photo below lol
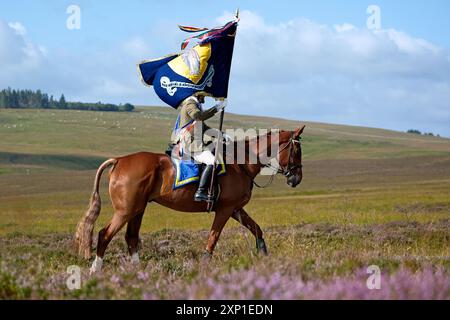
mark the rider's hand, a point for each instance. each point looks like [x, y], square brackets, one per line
[219, 107]
[227, 138]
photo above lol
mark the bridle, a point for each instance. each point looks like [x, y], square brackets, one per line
[286, 171]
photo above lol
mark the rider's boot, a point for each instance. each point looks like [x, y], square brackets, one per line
[205, 179]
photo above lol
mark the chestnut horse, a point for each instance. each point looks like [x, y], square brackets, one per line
[138, 179]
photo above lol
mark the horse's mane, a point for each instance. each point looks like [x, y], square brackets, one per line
[248, 141]
[255, 139]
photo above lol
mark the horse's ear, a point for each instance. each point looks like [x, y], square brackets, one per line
[299, 131]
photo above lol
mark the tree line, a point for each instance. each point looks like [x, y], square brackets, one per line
[414, 131]
[29, 99]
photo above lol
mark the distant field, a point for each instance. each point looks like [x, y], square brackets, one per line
[55, 132]
[48, 159]
[393, 187]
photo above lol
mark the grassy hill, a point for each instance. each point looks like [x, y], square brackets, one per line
[58, 132]
[48, 159]
[368, 196]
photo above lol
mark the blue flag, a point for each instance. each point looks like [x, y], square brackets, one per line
[205, 68]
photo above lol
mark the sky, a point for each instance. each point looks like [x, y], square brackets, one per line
[305, 60]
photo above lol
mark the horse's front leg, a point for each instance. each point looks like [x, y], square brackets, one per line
[243, 218]
[220, 219]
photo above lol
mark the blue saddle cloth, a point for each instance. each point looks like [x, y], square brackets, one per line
[187, 172]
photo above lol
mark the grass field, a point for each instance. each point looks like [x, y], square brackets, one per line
[369, 196]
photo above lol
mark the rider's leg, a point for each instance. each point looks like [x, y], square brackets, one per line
[206, 157]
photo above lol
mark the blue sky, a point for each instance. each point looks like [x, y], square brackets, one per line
[317, 61]
[111, 20]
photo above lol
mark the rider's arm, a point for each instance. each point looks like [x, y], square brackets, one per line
[195, 113]
[206, 128]
[210, 134]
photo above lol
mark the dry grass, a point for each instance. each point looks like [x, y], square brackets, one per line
[369, 196]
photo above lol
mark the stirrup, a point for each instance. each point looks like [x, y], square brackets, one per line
[203, 196]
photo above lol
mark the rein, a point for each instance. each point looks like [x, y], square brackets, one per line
[285, 171]
[266, 185]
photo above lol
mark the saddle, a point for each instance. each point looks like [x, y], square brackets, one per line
[187, 171]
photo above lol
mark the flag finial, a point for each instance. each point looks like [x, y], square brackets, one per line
[237, 13]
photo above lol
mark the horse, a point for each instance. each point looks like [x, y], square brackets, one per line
[141, 178]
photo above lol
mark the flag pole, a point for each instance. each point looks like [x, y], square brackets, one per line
[216, 152]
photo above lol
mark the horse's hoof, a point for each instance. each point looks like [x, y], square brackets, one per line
[206, 256]
[134, 259]
[94, 271]
[261, 247]
[96, 266]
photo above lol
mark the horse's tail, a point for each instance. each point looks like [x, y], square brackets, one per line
[83, 235]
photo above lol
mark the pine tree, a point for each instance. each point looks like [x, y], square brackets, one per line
[52, 103]
[14, 99]
[62, 102]
[37, 100]
[3, 99]
[45, 103]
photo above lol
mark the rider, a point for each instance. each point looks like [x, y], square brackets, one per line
[190, 121]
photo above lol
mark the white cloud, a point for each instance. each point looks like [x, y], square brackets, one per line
[109, 75]
[11, 46]
[18, 27]
[342, 73]
[20, 59]
[410, 45]
[295, 69]
[344, 27]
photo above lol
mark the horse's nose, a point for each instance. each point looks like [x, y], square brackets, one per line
[294, 181]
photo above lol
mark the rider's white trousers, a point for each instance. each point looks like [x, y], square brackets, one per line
[205, 157]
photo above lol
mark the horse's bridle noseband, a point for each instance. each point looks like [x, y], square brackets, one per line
[287, 171]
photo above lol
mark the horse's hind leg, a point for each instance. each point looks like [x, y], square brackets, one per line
[132, 237]
[243, 218]
[104, 238]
